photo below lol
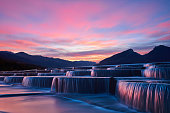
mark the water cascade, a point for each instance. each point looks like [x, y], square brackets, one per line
[150, 96]
[116, 73]
[85, 85]
[51, 74]
[40, 82]
[161, 71]
[13, 79]
[2, 78]
[78, 73]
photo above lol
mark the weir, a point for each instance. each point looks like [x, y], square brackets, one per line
[150, 92]
[13, 79]
[150, 96]
[39, 82]
[116, 73]
[161, 71]
[78, 73]
[2, 78]
[87, 85]
[51, 74]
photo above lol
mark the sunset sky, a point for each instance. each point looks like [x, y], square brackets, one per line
[83, 29]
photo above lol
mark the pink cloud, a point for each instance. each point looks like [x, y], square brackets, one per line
[63, 16]
[166, 38]
[97, 44]
[165, 24]
[18, 44]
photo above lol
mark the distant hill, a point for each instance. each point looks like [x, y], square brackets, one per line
[39, 61]
[9, 65]
[158, 54]
[125, 57]
[21, 60]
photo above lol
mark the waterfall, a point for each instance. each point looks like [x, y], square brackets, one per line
[40, 82]
[81, 84]
[150, 96]
[13, 79]
[2, 78]
[161, 71]
[116, 73]
[78, 73]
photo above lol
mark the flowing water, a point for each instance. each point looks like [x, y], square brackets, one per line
[150, 92]
[78, 73]
[157, 72]
[116, 73]
[18, 99]
[151, 96]
[82, 84]
[44, 81]
[13, 79]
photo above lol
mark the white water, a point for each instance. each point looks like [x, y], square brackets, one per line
[13, 79]
[161, 71]
[81, 84]
[40, 82]
[78, 73]
[145, 96]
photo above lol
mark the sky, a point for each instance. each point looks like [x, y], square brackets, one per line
[89, 30]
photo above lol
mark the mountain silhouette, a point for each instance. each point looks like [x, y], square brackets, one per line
[126, 57]
[160, 53]
[21, 60]
[39, 61]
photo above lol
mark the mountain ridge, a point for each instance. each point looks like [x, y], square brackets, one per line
[40, 61]
[159, 53]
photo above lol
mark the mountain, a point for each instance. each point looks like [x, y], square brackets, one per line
[125, 57]
[9, 65]
[158, 54]
[21, 60]
[40, 61]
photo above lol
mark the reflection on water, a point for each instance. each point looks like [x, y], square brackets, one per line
[17, 103]
[46, 104]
